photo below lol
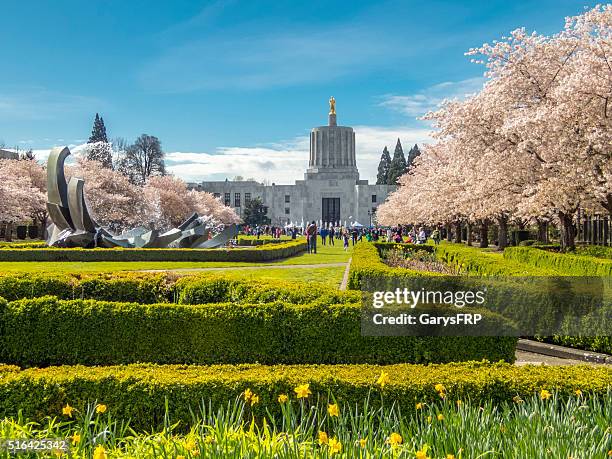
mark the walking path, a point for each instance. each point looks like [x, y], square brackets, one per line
[345, 278]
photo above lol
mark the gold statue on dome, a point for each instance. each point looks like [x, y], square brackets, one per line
[332, 106]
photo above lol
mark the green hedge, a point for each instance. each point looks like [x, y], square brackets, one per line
[367, 263]
[47, 331]
[565, 263]
[22, 244]
[148, 288]
[474, 261]
[140, 392]
[256, 254]
[598, 251]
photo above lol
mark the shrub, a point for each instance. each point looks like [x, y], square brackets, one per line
[473, 261]
[598, 251]
[528, 242]
[141, 392]
[567, 264]
[23, 245]
[366, 263]
[256, 254]
[96, 332]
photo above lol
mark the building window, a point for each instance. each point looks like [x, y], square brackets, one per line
[287, 199]
[236, 199]
[247, 198]
[373, 198]
[217, 195]
[227, 199]
[287, 211]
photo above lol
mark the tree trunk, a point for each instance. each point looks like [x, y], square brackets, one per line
[484, 234]
[567, 231]
[470, 236]
[502, 232]
[458, 232]
[449, 236]
[8, 235]
[543, 232]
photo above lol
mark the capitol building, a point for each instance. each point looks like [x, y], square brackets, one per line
[330, 192]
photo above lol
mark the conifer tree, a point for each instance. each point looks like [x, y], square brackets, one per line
[98, 147]
[412, 154]
[383, 168]
[398, 164]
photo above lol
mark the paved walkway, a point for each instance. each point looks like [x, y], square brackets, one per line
[530, 358]
[234, 268]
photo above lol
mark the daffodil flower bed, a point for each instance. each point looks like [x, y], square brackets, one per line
[309, 425]
[143, 393]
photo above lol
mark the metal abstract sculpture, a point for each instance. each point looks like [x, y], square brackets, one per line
[73, 226]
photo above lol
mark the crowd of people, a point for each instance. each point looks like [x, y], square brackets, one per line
[330, 235]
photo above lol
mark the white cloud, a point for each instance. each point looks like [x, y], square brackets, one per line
[285, 162]
[416, 105]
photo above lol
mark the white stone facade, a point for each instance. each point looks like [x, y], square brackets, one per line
[330, 192]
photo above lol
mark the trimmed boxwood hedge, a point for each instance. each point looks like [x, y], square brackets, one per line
[257, 254]
[146, 288]
[474, 261]
[140, 392]
[566, 263]
[47, 331]
[366, 263]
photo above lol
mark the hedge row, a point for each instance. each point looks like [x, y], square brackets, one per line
[47, 331]
[474, 261]
[140, 392]
[367, 263]
[568, 264]
[22, 244]
[147, 288]
[256, 254]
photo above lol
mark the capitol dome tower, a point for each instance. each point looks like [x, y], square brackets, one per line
[332, 148]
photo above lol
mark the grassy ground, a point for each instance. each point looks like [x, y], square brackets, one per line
[325, 255]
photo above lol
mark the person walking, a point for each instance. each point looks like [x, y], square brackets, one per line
[422, 238]
[332, 233]
[345, 237]
[311, 234]
[435, 235]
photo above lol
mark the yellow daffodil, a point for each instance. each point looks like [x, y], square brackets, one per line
[190, 445]
[517, 399]
[333, 410]
[578, 392]
[383, 379]
[429, 419]
[76, 438]
[99, 452]
[419, 406]
[302, 391]
[282, 398]
[254, 399]
[459, 403]
[209, 439]
[422, 453]
[610, 453]
[442, 394]
[440, 388]
[67, 410]
[101, 408]
[440, 417]
[450, 456]
[362, 442]
[247, 394]
[323, 439]
[180, 456]
[395, 439]
[334, 446]
[545, 395]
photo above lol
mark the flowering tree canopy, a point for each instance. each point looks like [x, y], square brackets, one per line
[534, 143]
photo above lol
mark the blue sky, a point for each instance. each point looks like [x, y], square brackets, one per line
[233, 87]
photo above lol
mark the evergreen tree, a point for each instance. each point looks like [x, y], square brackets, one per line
[412, 155]
[383, 168]
[98, 148]
[255, 213]
[98, 132]
[398, 164]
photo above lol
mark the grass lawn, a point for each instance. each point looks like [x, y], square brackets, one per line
[325, 255]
